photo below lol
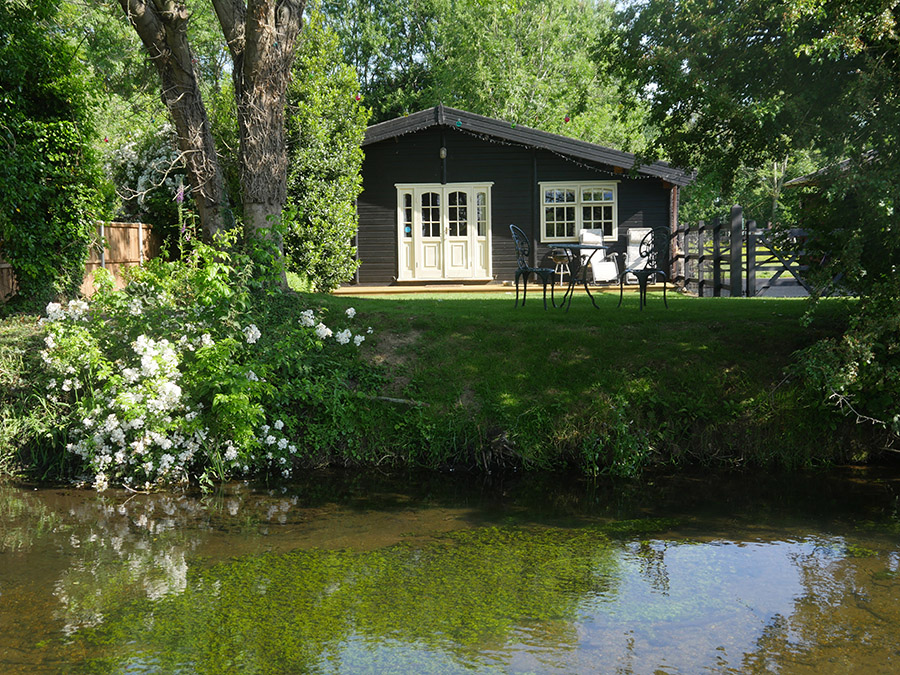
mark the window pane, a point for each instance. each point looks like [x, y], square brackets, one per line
[481, 213]
[407, 215]
[559, 195]
[431, 214]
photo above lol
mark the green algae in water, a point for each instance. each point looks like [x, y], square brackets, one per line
[463, 595]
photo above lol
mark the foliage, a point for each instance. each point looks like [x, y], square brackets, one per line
[859, 372]
[172, 379]
[830, 92]
[326, 124]
[544, 65]
[697, 66]
[50, 179]
[149, 176]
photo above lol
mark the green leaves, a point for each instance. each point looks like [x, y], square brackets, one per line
[49, 178]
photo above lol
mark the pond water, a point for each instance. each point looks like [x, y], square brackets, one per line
[448, 574]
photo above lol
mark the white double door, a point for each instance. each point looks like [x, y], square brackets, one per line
[444, 231]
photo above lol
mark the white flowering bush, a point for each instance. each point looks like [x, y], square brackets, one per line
[187, 375]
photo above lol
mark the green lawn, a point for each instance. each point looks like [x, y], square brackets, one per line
[701, 380]
[472, 381]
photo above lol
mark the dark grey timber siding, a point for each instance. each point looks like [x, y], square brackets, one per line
[514, 171]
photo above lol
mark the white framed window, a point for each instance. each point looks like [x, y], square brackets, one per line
[567, 208]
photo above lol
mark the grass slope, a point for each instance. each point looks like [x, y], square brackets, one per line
[472, 381]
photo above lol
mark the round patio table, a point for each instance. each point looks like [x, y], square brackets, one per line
[574, 253]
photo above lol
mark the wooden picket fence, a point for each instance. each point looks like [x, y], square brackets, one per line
[117, 247]
[733, 257]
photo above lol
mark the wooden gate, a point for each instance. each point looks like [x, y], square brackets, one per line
[773, 267]
[734, 258]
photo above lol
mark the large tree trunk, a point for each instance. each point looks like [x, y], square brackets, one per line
[262, 39]
[162, 27]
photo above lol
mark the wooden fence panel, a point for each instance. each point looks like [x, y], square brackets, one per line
[7, 281]
[126, 245]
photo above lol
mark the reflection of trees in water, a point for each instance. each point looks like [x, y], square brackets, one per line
[838, 624]
[464, 595]
[107, 549]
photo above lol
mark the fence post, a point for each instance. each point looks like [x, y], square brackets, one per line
[737, 241]
[701, 229]
[717, 257]
[752, 243]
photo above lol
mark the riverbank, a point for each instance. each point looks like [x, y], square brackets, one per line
[474, 383]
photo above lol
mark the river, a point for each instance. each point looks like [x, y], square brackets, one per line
[361, 573]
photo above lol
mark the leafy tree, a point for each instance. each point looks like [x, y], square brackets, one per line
[261, 39]
[389, 43]
[49, 178]
[541, 64]
[734, 85]
[326, 124]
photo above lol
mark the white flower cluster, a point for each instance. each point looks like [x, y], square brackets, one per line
[76, 310]
[308, 320]
[251, 333]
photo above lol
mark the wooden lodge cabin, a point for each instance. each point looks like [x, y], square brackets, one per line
[441, 187]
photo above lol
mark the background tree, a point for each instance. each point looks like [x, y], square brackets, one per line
[326, 125]
[542, 64]
[49, 178]
[734, 86]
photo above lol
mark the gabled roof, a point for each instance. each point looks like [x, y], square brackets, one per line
[815, 177]
[460, 120]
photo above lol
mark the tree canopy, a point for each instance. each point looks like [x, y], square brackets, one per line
[544, 64]
[49, 178]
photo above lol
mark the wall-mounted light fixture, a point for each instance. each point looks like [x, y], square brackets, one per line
[443, 153]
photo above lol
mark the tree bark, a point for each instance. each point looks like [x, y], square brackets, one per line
[262, 38]
[162, 27]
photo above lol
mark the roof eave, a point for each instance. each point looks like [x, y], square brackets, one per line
[465, 121]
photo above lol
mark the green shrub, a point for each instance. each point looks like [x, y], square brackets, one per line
[187, 374]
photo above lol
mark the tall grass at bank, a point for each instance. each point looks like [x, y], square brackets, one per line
[476, 383]
[613, 390]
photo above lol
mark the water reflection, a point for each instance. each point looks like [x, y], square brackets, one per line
[360, 575]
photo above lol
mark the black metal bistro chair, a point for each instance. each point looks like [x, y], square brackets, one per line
[652, 261]
[524, 270]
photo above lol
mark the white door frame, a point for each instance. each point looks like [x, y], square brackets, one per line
[432, 247]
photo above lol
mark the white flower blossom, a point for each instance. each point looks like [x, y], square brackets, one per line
[351, 312]
[77, 309]
[252, 376]
[279, 425]
[270, 440]
[50, 342]
[251, 333]
[231, 454]
[101, 482]
[55, 312]
[323, 331]
[343, 337]
[307, 318]
[359, 339]
[369, 330]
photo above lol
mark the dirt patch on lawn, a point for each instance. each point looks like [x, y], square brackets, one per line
[394, 352]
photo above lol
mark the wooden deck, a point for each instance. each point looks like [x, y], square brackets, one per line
[474, 289]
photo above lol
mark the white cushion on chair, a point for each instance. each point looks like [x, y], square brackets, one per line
[633, 260]
[603, 267]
